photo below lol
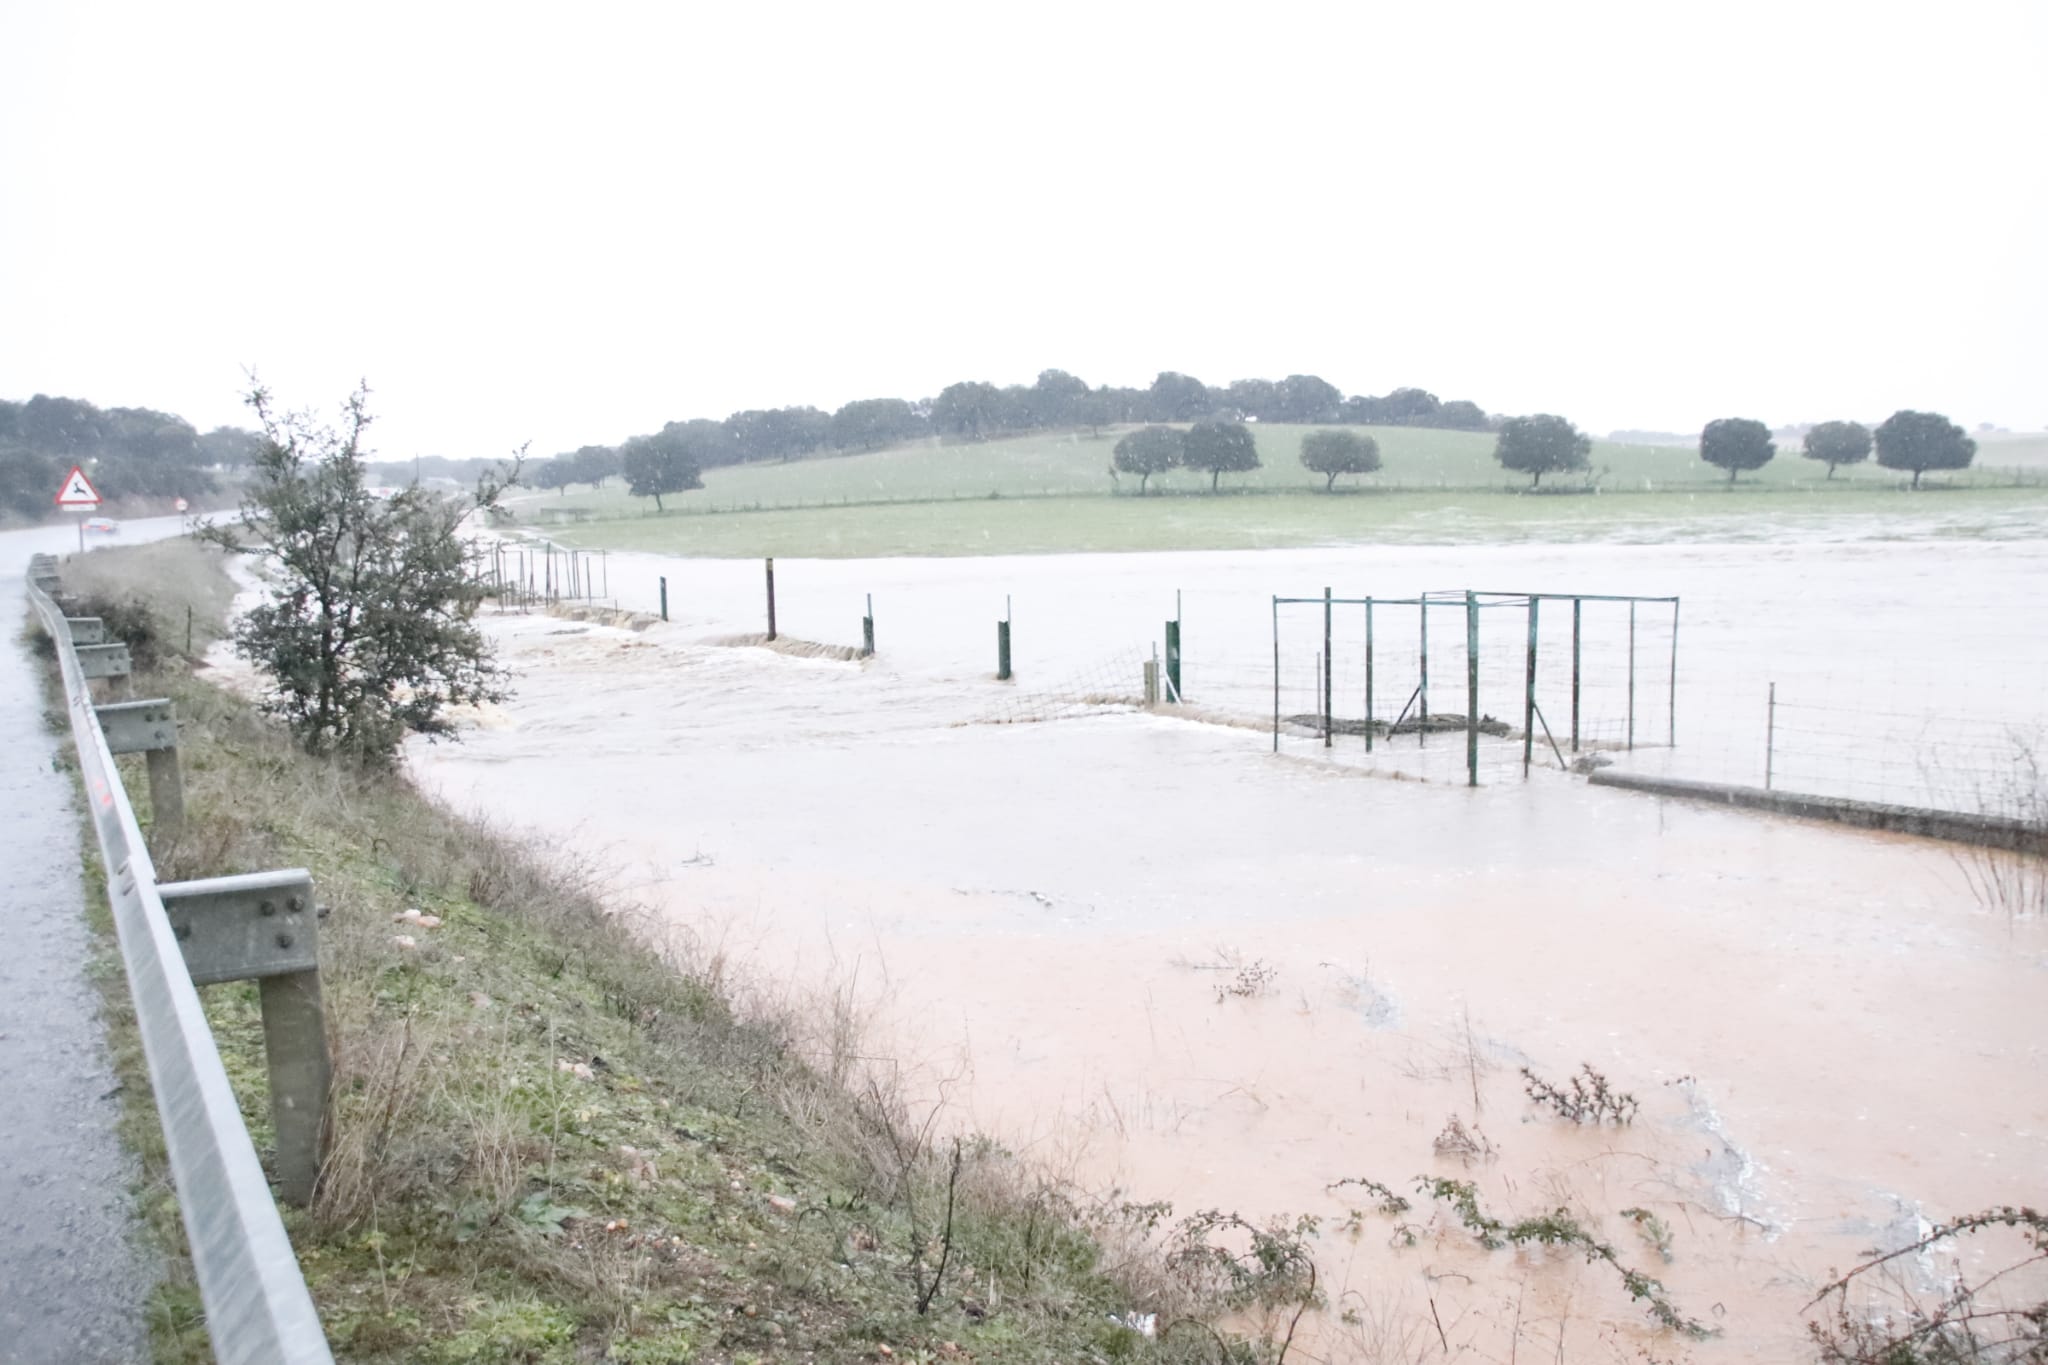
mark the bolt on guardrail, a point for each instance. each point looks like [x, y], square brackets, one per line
[258, 1310]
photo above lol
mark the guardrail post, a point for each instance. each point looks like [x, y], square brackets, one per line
[150, 728]
[262, 925]
[106, 661]
[295, 1047]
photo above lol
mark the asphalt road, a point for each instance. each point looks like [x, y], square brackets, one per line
[74, 1268]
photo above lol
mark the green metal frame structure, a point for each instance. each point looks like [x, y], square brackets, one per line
[1473, 603]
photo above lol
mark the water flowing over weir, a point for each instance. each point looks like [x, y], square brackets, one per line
[1154, 955]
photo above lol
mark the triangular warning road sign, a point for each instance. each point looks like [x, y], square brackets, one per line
[77, 490]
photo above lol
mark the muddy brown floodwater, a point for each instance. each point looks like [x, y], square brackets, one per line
[1158, 958]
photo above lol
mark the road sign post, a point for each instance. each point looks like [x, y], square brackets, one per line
[78, 495]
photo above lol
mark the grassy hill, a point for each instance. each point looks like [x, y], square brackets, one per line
[1075, 463]
[1051, 492]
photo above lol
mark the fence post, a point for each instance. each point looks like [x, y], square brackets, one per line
[867, 630]
[1002, 651]
[1329, 672]
[771, 597]
[1671, 702]
[1577, 611]
[1770, 734]
[1173, 692]
[1422, 692]
[1471, 689]
[1368, 675]
[664, 597]
[1529, 692]
[1631, 676]
[1276, 675]
[1151, 682]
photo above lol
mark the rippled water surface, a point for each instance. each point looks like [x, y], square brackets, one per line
[1155, 955]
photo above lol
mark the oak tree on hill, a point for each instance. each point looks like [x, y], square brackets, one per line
[659, 464]
[1736, 444]
[1221, 448]
[1176, 397]
[1148, 451]
[1838, 443]
[1921, 441]
[1542, 444]
[1331, 453]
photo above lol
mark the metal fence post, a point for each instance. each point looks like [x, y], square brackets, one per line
[1329, 673]
[1577, 605]
[867, 630]
[1368, 675]
[1173, 692]
[1422, 692]
[1671, 702]
[1631, 676]
[1529, 692]
[1002, 651]
[1471, 689]
[771, 597]
[664, 597]
[1770, 734]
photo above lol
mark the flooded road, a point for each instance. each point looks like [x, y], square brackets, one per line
[1154, 956]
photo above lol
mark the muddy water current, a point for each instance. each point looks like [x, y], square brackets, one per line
[1155, 956]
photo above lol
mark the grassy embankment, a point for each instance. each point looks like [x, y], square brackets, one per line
[561, 1136]
[1050, 493]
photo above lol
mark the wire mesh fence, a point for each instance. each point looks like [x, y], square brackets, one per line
[1114, 683]
[1491, 682]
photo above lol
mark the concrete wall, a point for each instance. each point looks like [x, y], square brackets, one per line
[1990, 831]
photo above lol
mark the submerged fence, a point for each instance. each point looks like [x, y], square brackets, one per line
[1474, 686]
[1507, 679]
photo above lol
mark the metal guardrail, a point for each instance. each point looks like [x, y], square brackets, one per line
[258, 1309]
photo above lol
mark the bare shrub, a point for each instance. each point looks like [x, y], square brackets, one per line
[1587, 1097]
[1989, 1318]
[2013, 881]
[1461, 1143]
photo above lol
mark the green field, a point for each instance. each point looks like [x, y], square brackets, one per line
[1052, 493]
[1066, 525]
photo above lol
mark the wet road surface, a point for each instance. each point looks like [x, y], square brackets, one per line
[74, 1275]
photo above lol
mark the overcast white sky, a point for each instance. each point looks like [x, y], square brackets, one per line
[570, 223]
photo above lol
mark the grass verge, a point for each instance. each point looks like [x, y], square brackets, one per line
[562, 1135]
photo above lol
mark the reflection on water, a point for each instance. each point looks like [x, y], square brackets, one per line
[1828, 1038]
